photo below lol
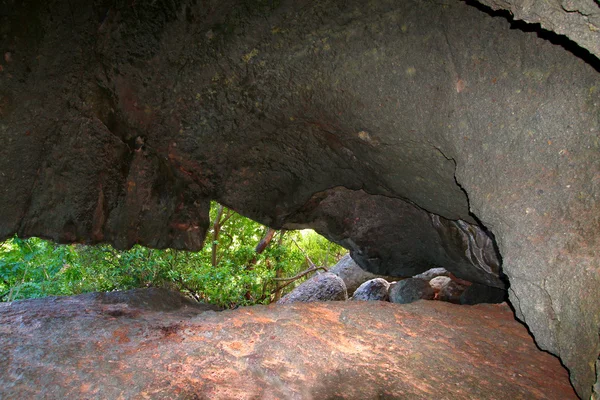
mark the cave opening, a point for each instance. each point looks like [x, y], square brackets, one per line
[241, 263]
[238, 264]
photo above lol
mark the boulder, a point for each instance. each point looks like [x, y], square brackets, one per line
[432, 273]
[438, 282]
[450, 292]
[352, 274]
[82, 348]
[320, 287]
[411, 289]
[477, 293]
[392, 284]
[375, 289]
[421, 238]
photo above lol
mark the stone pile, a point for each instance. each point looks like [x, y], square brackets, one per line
[347, 281]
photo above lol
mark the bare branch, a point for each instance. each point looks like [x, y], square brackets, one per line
[301, 274]
[308, 260]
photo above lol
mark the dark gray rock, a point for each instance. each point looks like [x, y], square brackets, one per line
[411, 289]
[352, 274]
[320, 287]
[432, 273]
[578, 20]
[392, 284]
[477, 293]
[596, 394]
[450, 292]
[422, 239]
[375, 289]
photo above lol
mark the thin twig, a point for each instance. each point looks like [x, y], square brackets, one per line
[289, 281]
[308, 260]
[228, 215]
[295, 278]
[301, 274]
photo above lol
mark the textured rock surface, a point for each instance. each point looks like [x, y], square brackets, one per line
[432, 273]
[352, 274]
[579, 20]
[596, 390]
[119, 121]
[320, 287]
[363, 223]
[375, 289]
[439, 281]
[81, 347]
[451, 292]
[410, 290]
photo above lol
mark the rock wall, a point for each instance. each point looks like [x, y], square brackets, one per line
[578, 20]
[120, 121]
[364, 223]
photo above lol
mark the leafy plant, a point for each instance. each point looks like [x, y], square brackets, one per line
[231, 270]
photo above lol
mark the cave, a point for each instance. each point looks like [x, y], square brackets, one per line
[413, 133]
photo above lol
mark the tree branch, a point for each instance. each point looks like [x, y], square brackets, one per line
[295, 278]
[216, 229]
[265, 241]
[228, 215]
[301, 274]
[308, 260]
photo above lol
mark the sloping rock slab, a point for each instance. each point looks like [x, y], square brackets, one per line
[84, 348]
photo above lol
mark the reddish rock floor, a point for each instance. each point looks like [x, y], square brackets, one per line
[83, 347]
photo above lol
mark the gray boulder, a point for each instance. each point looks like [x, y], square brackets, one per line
[392, 284]
[439, 282]
[352, 274]
[451, 292]
[432, 273]
[409, 290]
[373, 290]
[321, 287]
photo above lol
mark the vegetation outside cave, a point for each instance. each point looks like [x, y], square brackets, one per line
[238, 265]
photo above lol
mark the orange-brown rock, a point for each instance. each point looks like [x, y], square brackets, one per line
[87, 347]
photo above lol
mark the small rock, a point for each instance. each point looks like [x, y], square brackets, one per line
[373, 290]
[478, 293]
[411, 289]
[451, 292]
[392, 284]
[438, 282]
[432, 273]
[321, 287]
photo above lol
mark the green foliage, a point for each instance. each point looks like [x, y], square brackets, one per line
[36, 268]
[33, 268]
